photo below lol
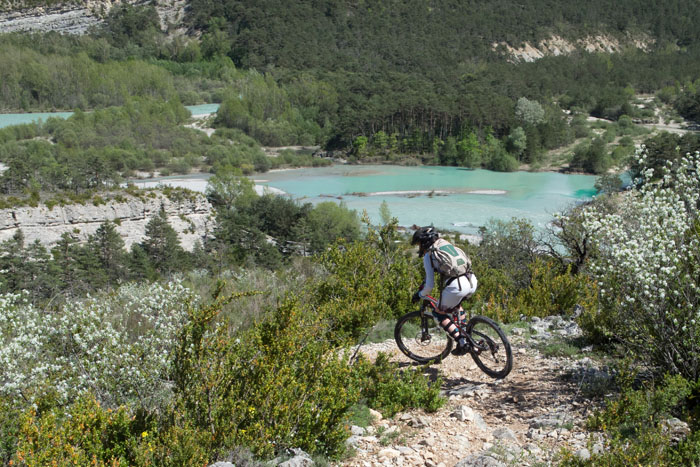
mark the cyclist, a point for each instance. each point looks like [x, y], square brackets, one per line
[454, 289]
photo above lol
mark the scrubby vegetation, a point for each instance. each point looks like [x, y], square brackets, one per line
[195, 379]
[209, 362]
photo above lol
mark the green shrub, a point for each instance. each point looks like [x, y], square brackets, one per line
[175, 442]
[390, 390]
[9, 430]
[83, 434]
[634, 427]
[551, 292]
[368, 280]
[360, 415]
[278, 385]
[559, 348]
[597, 324]
[51, 203]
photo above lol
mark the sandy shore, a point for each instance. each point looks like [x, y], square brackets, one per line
[431, 192]
[406, 192]
[488, 192]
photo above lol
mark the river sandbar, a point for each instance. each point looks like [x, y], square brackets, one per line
[487, 192]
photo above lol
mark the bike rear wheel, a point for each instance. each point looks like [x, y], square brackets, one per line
[421, 339]
[492, 352]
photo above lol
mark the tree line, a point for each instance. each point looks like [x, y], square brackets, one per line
[262, 230]
[96, 152]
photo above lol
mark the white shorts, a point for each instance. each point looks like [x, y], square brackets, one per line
[455, 291]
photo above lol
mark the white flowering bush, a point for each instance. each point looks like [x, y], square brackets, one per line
[116, 345]
[647, 265]
[26, 368]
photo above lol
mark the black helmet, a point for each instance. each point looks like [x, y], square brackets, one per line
[425, 236]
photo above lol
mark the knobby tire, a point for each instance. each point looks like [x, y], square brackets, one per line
[493, 354]
[422, 341]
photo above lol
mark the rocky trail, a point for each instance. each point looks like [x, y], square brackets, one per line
[524, 419]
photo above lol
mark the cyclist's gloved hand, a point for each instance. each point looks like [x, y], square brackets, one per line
[416, 297]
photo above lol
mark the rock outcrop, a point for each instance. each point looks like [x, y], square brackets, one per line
[556, 45]
[77, 17]
[192, 218]
[67, 19]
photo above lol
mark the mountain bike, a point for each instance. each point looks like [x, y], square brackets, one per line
[421, 338]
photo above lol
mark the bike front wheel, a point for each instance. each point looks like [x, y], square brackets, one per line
[421, 339]
[491, 350]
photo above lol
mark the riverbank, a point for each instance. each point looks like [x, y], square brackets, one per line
[557, 161]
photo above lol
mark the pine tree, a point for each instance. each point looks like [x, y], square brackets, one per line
[42, 277]
[12, 262]
[75, 265]
[107, 246]
[162, 245]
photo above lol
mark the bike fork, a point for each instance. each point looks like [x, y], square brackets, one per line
[425, 334]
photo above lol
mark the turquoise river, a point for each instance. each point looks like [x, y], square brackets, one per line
[447, 197]
[18, 119]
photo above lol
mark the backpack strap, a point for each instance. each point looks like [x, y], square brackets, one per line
[452, 279]
[468, 275]
[432, 263]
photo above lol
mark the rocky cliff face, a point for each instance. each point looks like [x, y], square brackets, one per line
[77, 18]
[68, 19]
[192, 219]
[557, 45]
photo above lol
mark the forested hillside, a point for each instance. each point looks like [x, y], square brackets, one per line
[412, 81]
[427, 71]
[426, 37]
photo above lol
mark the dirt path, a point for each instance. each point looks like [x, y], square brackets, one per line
[524, 419]
[669, 127]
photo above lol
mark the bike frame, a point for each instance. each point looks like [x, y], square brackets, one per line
[430, 302]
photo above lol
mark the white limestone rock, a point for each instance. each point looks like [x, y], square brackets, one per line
[192, 218]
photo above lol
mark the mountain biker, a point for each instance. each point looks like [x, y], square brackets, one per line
[454, 289]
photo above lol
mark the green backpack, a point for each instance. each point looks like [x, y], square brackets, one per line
[449, 260]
